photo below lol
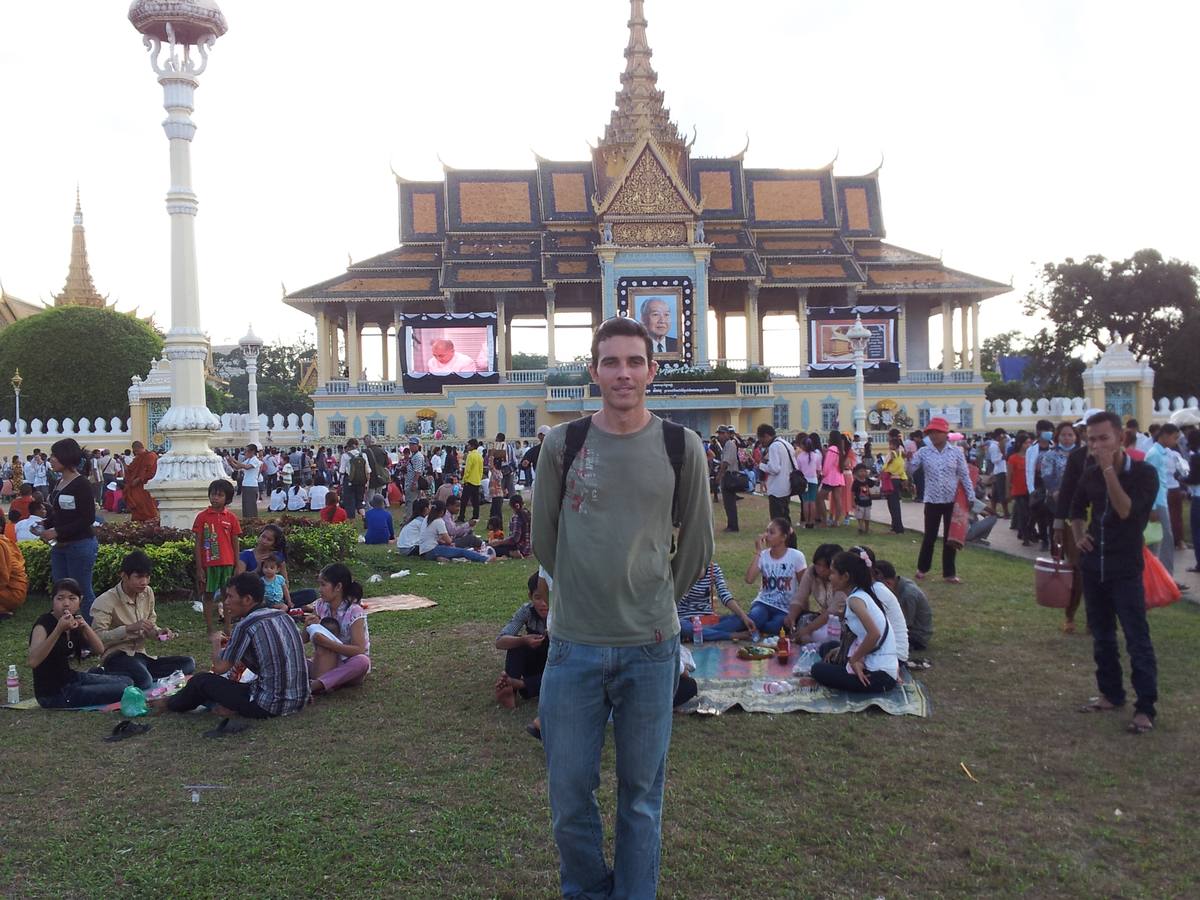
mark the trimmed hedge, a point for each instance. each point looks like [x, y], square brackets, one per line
[174, 560]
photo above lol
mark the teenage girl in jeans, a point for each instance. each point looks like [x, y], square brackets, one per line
[69, 524]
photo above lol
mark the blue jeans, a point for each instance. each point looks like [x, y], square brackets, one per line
[1166, 547]
[767, 619]
[87, 689]
[581, 686]
[76, 559]
[445, 551]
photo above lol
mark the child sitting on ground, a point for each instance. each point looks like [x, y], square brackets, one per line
[495, 529]
[380, 528]
[520, 529]
[332, 513]
[275, 586]
[861, 491]
[525, 656]
[26, 528]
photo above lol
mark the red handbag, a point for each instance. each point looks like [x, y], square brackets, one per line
[1052, 582]
[1159, 586]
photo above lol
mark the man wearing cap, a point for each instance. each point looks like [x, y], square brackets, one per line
[729, 466]
[945, 469]
[414, 471]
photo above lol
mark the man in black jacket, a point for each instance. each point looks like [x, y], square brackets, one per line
[1120, 493]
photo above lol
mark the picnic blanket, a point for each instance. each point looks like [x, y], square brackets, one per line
[724, 681]
[397, 601]
[157, 690]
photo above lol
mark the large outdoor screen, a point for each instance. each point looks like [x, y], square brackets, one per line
[446, 351]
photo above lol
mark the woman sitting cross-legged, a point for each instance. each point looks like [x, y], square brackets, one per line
[58, 636]
[780, 568]
[698, 602]
[871, 665]
[802, 621]
[516, 545]
[436, 543]
[342, 659]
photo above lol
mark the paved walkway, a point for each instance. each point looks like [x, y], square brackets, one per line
[1004, 540]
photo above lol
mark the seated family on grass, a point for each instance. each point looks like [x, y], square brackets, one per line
[259, 668]
[862, 617]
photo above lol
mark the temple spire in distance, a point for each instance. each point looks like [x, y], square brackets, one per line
[79, 289]
[639, 109]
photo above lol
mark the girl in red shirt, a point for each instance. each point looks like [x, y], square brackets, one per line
[332, 513]
[1018, 491]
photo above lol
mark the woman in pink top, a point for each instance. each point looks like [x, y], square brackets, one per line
[808, 461]
[832, 480]
[347, 660]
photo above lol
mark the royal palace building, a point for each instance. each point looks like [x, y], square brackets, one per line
[644, 228]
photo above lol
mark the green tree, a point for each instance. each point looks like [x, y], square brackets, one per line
[280, 368]
[529, 361]
[76, 362]
[999, 345]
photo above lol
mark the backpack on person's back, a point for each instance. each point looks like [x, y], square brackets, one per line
[357, 469]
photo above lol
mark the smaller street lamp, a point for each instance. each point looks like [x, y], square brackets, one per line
[859, 335]
[16, 384]
[251, 346]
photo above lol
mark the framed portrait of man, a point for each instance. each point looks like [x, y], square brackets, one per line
[660, 309]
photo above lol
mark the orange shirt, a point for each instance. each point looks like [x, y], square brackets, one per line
[1016, 476]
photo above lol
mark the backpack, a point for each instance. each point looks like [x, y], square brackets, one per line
[577, 431]
[358, 470]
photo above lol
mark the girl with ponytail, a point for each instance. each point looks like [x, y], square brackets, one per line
[871, 666]
[346, 660]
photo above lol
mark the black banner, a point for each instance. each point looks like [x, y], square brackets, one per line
[681, 389]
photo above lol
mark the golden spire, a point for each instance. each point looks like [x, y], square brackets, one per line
[79, 289]
[639, 107]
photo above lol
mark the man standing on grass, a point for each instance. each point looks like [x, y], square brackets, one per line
[604, 533]
[1120, 492]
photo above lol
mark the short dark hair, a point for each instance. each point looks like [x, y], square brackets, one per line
[765, 430]
[136, 563]
[224, 486]
[620, 326]
[248, 585]
[1168, 428]
[67, 452]
[1105, 416]
[884, 569]
[532, 583]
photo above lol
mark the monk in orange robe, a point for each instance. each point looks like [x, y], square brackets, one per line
[138, 501]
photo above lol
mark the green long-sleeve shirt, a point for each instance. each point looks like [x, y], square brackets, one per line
[609, 552]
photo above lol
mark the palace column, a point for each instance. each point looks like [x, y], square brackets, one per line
[947, 339]
[501, 334]
[976, 361]
[902, 335]
[551, 360]
[802, 321]
[334, 349]
[353, 346]
[753, 333]
[383, 346]
[721, 351]
[399, 347]
[322, 347]
[964, 362]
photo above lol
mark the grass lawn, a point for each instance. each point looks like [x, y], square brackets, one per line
[418, 785]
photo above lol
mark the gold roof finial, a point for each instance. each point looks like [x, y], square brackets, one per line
[79, 289]
[639, 108]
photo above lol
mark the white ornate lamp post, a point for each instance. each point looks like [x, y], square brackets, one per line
[184, 28]
[251, 346]
[16, 383]
[859, 335]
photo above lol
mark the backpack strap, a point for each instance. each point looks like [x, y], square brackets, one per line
[577, 431]
[673, 438]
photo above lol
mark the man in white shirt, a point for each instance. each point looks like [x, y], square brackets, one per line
[779, 463]
[445, 360]
[997, 455]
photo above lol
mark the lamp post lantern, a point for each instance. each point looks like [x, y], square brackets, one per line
[251, 346]
[16, 384]
[185, 29]
[859, 335]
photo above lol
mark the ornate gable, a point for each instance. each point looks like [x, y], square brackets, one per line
[648, 187]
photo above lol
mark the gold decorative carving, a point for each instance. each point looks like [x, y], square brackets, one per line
[650, 234]
[647, 191]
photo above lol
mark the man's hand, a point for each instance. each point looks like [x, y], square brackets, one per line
[1085, 544]
[533, 641]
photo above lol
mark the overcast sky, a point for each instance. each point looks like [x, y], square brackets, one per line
[1013, 133]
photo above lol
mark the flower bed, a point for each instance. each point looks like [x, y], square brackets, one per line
[311, 544]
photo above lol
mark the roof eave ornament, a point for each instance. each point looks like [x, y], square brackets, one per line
[741, 156]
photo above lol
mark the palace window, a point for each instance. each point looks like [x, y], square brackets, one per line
[376, 427]
[829, 415]
[966, 418]
[779, 417]
[924, 414]
[528, 422]
[337, 427]
[476, 424]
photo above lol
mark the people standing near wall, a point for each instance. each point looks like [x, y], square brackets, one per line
[251, 468]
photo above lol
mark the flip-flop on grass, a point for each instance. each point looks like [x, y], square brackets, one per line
[125, 729]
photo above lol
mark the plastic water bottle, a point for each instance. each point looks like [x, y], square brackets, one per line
[834, 628]
[697, 632]
[14, 685]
